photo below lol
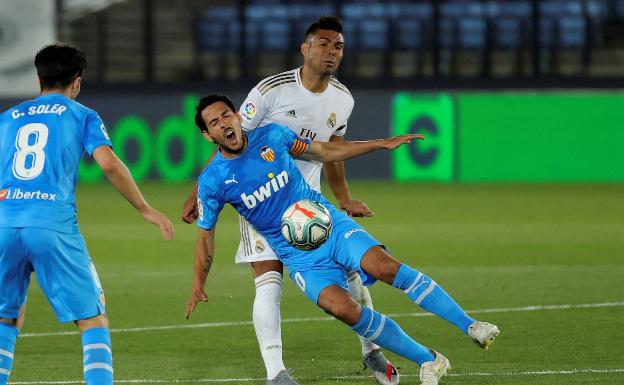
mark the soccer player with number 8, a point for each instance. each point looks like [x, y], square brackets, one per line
[41, 143]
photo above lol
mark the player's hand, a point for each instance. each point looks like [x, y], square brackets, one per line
[396, 141]
[196, 297]
[159, 219]
[189, 209]
[356, 209]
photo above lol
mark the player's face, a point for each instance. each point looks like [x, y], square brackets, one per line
[323, 52]
[224, 128]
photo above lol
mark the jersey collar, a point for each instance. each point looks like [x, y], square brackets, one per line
[304, 89]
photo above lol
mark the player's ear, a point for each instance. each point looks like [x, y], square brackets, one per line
[207, 136]
[75, 87]
[305, 48]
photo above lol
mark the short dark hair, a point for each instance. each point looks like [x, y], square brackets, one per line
[59, 64]
[205, 102]
[332, 23]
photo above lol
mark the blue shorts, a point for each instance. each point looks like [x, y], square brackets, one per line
[328, 265]
[63, 269]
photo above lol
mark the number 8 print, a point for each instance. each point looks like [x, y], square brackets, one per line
[33, 151]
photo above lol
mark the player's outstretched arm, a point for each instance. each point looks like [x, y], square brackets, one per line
[189, 207]
[119, 175]
[335, 151]
[336, 178]
[204, 254]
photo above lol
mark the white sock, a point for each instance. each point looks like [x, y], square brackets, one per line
[362, 295]
[266, 320]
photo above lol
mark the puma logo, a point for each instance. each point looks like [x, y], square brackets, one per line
[307, 213]
[421, 283]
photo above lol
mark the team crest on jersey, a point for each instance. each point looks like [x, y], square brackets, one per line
[267, 154]
[248, 111]
[331, 121]
[259, 246]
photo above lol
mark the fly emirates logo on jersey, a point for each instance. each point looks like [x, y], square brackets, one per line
[275, 183]
[18, 194]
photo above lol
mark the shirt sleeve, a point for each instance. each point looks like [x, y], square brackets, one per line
[95, 134]
[209, 205]
[253, 110]
[341, 131]
[294, 144]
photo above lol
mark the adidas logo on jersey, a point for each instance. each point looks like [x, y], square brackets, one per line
[265, 191]
[7, 194]
[291, 114]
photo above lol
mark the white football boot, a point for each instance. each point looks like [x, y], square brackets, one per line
[483, 333]
[432, 371]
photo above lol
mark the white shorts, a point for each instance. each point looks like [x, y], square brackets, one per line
[252, 247]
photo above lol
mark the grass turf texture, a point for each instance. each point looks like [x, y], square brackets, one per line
[489, 245]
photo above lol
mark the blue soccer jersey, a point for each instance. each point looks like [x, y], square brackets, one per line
[260, 184]
[41, 143]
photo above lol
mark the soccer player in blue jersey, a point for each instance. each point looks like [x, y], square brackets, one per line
[312, 103]
[41, 143]
[266, 185]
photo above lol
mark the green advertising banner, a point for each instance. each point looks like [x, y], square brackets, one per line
[148, 151]
[432, 115]
[515, 136]
[535, 137]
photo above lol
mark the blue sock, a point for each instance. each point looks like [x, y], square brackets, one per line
[426, 293]
[388, 334]
[8, 335]
[97, 356]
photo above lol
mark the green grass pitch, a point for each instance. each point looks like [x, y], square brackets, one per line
[544, 262]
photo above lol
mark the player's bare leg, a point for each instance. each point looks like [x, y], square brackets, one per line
[266, 319]
[99, 321]
[96, 349]
[426, 293]
[342, 306]
[9, 321]
[21, 318]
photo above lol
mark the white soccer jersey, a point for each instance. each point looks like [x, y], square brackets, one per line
[283, 99]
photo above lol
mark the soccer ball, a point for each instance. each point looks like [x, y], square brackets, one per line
[306, 225]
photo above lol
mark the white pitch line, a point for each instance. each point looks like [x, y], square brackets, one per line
[316, 319]
[353, 377]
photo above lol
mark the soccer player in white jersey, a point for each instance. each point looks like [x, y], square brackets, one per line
[41, 143]
[314, 105]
